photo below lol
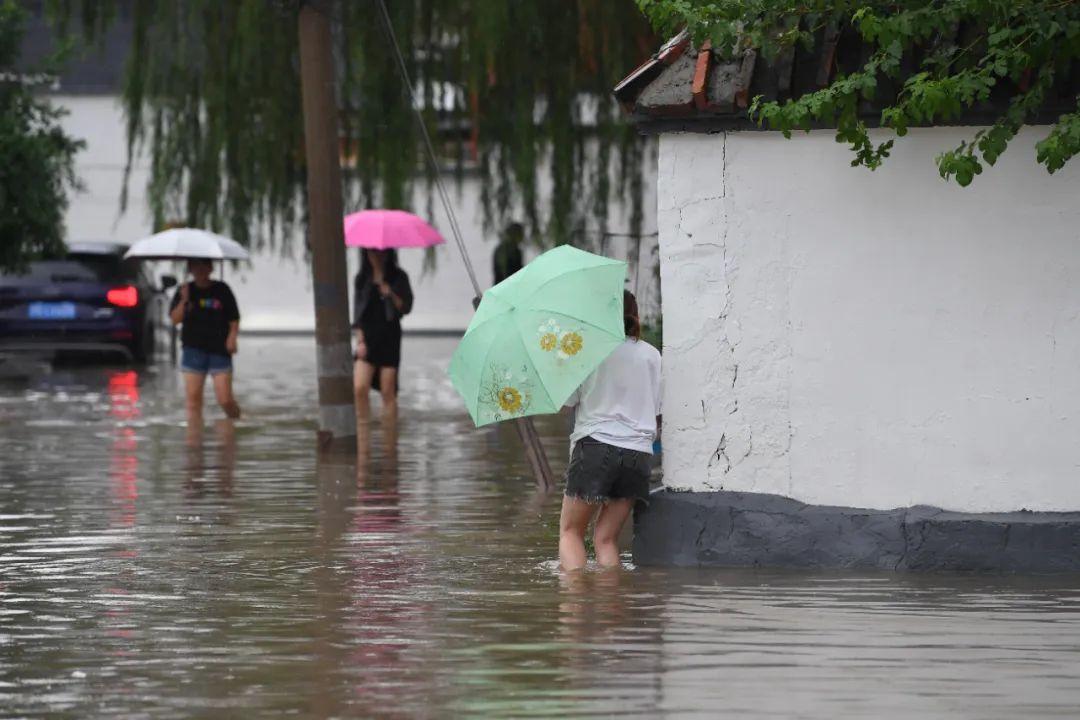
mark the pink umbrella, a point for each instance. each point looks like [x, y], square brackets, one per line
[385, 229]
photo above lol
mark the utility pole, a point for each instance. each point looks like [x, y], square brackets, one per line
[337, 415]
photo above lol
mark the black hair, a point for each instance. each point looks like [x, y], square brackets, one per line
[390, 263]
[514, 233]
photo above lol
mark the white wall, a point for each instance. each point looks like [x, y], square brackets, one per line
[870, 339]
[274, 291]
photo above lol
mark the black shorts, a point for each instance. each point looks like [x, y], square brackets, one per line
[600, 472]
[383, 344]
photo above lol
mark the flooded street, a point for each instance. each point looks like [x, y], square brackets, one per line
[152, 570]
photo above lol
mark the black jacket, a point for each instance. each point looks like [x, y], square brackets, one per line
[506, 260]
[365, 292]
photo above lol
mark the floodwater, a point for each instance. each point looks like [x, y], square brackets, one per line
[152, 570]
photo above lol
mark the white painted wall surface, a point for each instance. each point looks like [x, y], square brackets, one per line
[870, 339]
[274, 291]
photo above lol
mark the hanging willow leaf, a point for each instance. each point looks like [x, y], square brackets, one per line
[517, 92]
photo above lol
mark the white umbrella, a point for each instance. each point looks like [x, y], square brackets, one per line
[183, 243]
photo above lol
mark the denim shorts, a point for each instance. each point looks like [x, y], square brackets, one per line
[197, 361]
[600, 472]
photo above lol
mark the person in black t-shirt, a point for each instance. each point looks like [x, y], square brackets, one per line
[211, 321]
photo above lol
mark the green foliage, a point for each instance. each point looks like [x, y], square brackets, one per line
[36, 159]
[946, 56]
[1062, 143]
[213, 94]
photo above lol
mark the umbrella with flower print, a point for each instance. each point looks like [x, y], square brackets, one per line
[538, 334]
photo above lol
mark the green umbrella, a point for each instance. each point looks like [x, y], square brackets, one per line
[538, 334]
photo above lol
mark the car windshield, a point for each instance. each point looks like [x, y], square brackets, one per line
[79, 267]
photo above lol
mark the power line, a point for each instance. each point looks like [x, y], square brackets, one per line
[429, 147]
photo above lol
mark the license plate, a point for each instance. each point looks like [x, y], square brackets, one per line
[51, 311]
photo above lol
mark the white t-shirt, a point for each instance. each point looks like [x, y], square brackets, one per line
[618, 403]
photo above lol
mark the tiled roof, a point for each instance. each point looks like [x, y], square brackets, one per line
[686, 88]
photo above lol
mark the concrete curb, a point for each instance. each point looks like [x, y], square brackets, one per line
[729, 529]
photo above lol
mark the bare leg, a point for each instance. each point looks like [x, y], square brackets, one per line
[224, 393]
[193, 438]
[193, 397]
[388, 388]
[606, 533]
[195, 468]
[363, 373]
[573, 523]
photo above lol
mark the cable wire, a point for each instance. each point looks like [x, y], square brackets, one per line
[429, 147]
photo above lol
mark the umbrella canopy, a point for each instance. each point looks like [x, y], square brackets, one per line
[538, 334]
[386, 229]
[183, 243]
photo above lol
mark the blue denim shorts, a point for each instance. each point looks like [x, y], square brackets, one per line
[193, 360]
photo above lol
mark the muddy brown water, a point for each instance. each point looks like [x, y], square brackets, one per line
[151, 570]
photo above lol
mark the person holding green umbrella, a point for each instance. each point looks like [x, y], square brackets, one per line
[533, 347]
[616, 421]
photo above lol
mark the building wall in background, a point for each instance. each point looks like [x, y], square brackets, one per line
[876, 340]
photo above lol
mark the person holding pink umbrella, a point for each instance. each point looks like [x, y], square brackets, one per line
[382, 296]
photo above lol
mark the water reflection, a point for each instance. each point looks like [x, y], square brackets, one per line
[148, 568]
[202, 479]
[123, 394]
[360, 517]
[123, 399]
[380, 564]
[378, 498]
[592, 604]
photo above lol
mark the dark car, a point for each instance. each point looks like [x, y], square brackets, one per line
[89, 301]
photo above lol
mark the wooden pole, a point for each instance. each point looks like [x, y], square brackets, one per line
[337, 416]
[534, 453]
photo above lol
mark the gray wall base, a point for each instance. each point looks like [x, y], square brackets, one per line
[730, 529]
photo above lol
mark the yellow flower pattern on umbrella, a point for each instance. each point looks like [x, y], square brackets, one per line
[571, 343]
[549, 335]
[510, 400]
[506, 393]
[553, 338]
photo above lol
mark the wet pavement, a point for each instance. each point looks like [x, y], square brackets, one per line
[148, 569]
